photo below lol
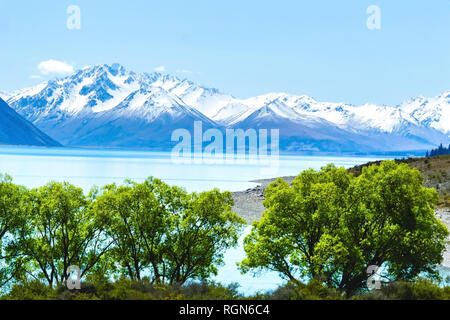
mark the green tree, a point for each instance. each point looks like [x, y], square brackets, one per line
[164, 233]
[12, 219]
[200, 235]
[136, 219]
[331, 226]
[61, 231]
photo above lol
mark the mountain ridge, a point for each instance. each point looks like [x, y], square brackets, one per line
[85, 107]
[15, 130]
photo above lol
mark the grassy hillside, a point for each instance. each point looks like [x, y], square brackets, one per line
[435, 170]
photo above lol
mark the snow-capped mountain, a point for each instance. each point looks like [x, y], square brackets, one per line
[344, 126]
[4, 95]
[430, 112]
[206, 100]
[386, 119]
[109, 106]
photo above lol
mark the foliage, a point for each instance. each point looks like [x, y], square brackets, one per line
[165, 233]
[331, 225]
[422, 289]
[11, 221]
[152, 241]
[313, 290]
[435, 171]
[123, 289]
[99, 288]
[30, 290]
[135, 230]
[61, 231]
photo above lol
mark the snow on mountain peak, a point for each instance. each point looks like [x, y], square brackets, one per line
[4, 95]
[112, 92]
[430, 112]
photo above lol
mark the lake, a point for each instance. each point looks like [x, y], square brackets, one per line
[34, 167]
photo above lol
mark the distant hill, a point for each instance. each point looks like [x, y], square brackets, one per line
[15, 130]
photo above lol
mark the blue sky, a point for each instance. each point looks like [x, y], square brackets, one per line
[319, 48]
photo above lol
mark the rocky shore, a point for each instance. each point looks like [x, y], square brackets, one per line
[443, 214]
[248, 203]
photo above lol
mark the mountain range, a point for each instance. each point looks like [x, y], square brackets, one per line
[15, 130]
[110, 106]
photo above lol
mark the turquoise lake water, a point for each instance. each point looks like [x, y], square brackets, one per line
[85, 168]
[34, 167]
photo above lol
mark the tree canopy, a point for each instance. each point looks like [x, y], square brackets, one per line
[61, 231]
[165, 233]
[330, 225]
[12, 219]
[326, 228]
[135, 230]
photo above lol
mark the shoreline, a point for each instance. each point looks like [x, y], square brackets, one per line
[248, 203]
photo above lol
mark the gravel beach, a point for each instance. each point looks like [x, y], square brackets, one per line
[444, 215]
[248, 203]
